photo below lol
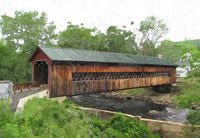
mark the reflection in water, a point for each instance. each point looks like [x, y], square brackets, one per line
[144, 109]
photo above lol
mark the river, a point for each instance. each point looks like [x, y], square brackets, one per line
[133, 107]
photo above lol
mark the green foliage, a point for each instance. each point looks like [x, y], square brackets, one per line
[46, 118]
[150, 32]
[121, 126]
[121, 40]
[191, 55]
[12, 64]
[190, 94]
[193, 119]
[23, 33]
[27, 30]
[78, 37]
[170, 50]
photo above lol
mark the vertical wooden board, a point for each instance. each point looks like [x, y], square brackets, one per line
[99, 86]
[151, 81]
[117, 84]
[95, 86]
[77, 87]
[142, 82]
[145, 81]
[121, 84]
[56, 81]
[125, 83]
[138, 82]
[131, 83]
[52, 91]
[89, 86]
[79, 84]
[73, 87]
[102, 85]
[148, 83]
[154, 81]
[158, 81]
[64, 80]
[86, 89]
[109, 85]
[113, 84]
[60, 80]
[134, 83]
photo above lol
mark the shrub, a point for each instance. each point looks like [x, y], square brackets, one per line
[123, 127]
[193, 119]
[190, 94]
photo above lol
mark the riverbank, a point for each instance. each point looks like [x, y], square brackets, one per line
[146, 95]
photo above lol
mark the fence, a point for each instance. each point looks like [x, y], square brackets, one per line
[22, 86]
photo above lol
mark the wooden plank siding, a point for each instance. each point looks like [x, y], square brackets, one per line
[62, 83]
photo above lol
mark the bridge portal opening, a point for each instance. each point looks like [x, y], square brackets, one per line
[40, 73]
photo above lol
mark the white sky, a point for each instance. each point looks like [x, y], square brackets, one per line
[181, 16]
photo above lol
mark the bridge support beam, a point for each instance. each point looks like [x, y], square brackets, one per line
[162, 88]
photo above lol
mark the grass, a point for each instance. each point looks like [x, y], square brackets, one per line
[136, 91]
[190, 94]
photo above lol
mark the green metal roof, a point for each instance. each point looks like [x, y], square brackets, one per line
[66, 54]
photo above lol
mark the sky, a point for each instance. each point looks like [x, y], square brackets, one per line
[181, 16]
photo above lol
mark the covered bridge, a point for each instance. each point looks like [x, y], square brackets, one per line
[75, 71]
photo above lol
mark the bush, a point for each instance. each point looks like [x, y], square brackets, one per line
[46, 118]
[193, 119]
[190, 94]
[123, 127]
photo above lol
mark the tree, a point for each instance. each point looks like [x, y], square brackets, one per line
[120, 40]
[27, 30]
[150, 32]
[170, 50]
[78, 37]
[11, 64]
[23, 33]
[191, 55]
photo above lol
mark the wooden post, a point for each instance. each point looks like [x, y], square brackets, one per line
[21, 89]
[29, 87]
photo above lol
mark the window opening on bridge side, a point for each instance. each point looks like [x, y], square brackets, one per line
[116, 75]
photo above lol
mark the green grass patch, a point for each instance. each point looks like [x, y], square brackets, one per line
[190, 94]
[136, 91]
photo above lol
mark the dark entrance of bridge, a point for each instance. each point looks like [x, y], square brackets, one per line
[40, 73]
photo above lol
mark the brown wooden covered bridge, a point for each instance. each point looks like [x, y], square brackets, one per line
[75, 71]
